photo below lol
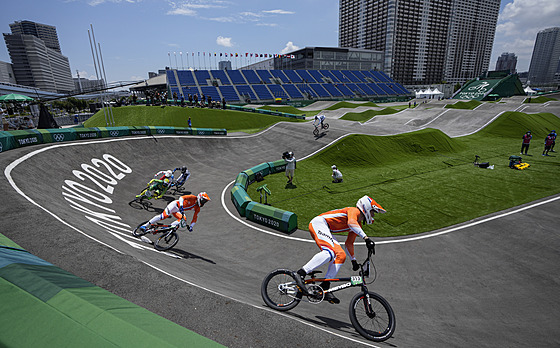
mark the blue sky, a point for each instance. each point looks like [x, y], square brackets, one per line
[137, 36]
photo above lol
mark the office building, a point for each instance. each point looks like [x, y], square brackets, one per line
[507, 61]
[545, 59]
[425, 41]
[36, 57]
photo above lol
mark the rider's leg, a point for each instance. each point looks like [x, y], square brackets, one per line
[167, 212]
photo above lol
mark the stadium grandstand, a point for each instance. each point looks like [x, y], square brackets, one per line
[268, 86]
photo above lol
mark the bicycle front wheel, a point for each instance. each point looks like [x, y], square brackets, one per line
[279, 290]
[316, 131]
[376, 320]
[166, 241]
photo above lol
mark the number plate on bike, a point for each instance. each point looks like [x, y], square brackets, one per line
[356, 280]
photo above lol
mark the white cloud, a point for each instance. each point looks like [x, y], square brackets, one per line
[188, 8]
[290, 47]
[224, 41]
[85, 75]
[267, 24]
[518, 25]
[99, 2]
[278, 12]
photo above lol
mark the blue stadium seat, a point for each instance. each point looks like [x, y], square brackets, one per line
[354, 88]
[262, 92]
[264, 75]
[171, 78]
[340, 76]
[316, 75]
[377, 89]
[246, 90]
[306, 89]
[360, 75]
[318, 88]
[278, 91]
[186, 78]
[335, 92]
[293, 76]
[292, 91]
[381, 77]
[328, 73]
[307, 78]
[387, 89]
[345, 90]
[202, 76]
[236, 77]
[220, 75]
[189, 90]
[280, 74]
[251, 77]
[368, 91]
[229, 93]
[211, 91]
[350, 76]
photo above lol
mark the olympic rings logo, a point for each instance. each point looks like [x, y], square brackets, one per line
[201, 132]
[161, 131]
[114, 133]
[58, 137]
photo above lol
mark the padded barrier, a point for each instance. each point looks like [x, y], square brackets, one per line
[240, 199]
[269, 216]
[278, 219]
[20, 138]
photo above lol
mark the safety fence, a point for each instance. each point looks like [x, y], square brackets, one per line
[264, 112]
[263, 214]
[20, 138]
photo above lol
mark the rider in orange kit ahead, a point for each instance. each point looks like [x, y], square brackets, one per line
[177, 207]
[347, 219]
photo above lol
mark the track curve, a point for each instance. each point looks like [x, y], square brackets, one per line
[493, 283]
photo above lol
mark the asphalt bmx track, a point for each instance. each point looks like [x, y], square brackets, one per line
[491, 282]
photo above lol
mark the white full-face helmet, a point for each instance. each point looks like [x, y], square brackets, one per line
[369, 207]
[168, 173]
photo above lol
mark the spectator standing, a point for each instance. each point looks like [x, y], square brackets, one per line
[547, 144]
[290, 165]
[336, 175]
[526, 141]
[553, 134]
[190, 124]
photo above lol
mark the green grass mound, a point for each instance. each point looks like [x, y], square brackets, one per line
[368, 114]
[424, 179]
[540, 99]
[348, 105]
[176, 116]
[469, 105]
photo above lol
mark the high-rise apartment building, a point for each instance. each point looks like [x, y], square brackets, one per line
[546, 56]
[507, 61]
[425, 41]
[37, 60]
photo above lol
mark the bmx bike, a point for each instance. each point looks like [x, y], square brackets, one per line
[153, 190]
[168, 233]
[176, 185]
[320, 127]
[370, 314]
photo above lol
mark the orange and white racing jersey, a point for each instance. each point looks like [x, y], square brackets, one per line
[344, 220]
[188, 202]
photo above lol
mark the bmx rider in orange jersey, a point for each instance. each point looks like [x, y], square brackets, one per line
[347, 219]
[177, 207]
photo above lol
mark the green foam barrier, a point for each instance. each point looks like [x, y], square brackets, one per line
[277, 166]
[240, 199]
[262, 168]
[275, 218]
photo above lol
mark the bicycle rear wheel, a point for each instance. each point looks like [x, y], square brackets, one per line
[166, 241]
[138, 232]
[325, 126]
[377, 324]
[279, 290]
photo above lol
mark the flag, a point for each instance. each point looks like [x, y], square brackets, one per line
[236, 55]
[220, 54]
[246, 54]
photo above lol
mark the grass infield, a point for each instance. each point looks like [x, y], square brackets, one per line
[425, 179]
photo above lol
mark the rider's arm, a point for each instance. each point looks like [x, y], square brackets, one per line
[349, 244]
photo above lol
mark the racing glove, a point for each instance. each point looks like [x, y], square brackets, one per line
[355, 265]
[370, 244]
